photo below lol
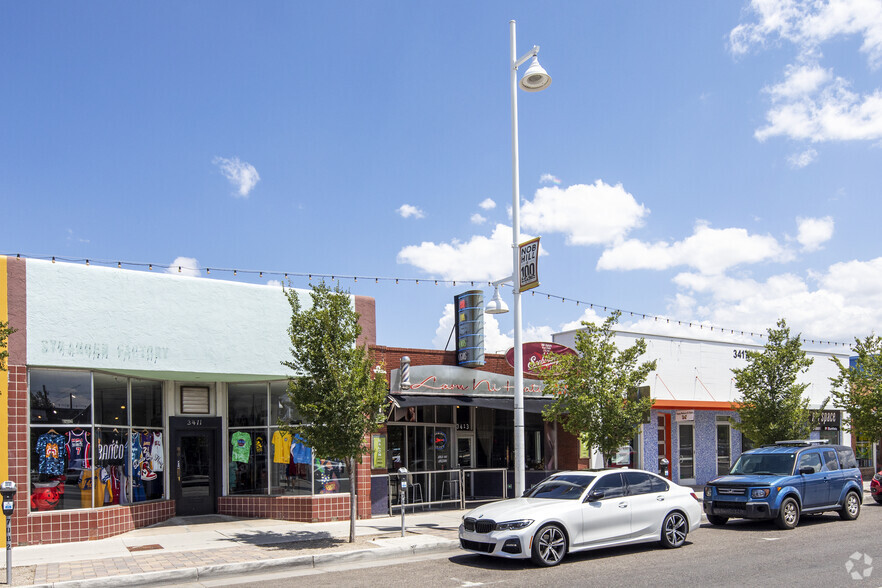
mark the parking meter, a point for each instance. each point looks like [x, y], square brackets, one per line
[402, 480]
[7, 491]
[663, 464]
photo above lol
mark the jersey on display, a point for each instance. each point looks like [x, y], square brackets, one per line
[111, 449]
[51, 453]
[241, 443]
[282, 447]
[79, 450]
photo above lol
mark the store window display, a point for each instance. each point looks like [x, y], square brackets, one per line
[77, 463]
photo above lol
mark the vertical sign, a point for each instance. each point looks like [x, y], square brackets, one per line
[468, 309]
[528, 262]
[378, 451]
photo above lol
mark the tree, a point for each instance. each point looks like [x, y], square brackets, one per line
[591, 389]
[334, 387]
[5, 332]
[858, 388]
[771, 407]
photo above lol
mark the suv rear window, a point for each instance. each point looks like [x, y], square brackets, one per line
[846, 457]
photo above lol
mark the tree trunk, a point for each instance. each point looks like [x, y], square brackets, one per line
[353, 498]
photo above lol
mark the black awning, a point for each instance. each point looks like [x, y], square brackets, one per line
[405, 400]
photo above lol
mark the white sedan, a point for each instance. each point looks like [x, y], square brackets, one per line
[577, 511]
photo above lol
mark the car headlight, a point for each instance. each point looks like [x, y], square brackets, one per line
[708, 491]
[514, 525]
[760, 492]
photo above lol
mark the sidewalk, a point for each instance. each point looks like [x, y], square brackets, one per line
[187, 549]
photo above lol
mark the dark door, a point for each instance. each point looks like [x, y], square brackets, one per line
[196, 459]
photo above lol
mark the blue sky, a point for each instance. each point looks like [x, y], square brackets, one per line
[708, 162]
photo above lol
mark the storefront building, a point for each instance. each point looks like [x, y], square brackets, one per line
[136, 396]
[689, 436]
[452, 428]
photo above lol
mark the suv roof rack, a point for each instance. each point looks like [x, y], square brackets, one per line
[800, 442]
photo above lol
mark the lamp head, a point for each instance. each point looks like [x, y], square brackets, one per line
[535, 78]
[497, 304]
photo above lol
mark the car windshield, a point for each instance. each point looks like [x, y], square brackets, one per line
[768, 464]
[567, 487]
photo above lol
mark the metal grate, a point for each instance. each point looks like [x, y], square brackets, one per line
[476, 546]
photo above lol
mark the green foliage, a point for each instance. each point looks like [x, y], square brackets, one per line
[591, 389]
[771, 407]
[334, 386]
[858, 389]
[5, 332]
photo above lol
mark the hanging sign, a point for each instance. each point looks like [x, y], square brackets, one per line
[528, 260]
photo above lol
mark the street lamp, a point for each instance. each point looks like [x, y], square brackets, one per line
[534, 80]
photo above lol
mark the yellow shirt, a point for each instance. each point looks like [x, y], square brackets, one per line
[282, 447]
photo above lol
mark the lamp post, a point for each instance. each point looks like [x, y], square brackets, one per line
[534, 80]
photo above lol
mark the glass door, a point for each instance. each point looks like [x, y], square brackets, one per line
[687, 453]
[724, 449]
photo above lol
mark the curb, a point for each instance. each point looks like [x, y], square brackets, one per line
[299, 561]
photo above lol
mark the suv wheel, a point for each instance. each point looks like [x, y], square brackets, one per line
[852, 507]
[717, 520]
[788, 515]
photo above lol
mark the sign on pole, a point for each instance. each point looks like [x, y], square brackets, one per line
[529, 264]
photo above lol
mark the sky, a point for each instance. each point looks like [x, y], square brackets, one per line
[706, 167]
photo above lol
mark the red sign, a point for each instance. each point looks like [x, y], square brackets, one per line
[536, 352]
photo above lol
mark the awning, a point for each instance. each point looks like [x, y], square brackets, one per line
[405, 400]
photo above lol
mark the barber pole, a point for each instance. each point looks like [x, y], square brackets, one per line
[405, 373]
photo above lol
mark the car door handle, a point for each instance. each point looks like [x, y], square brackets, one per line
[623, 505]
[660, 498]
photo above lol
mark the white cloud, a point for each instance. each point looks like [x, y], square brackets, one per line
[276, 283]
[710, 251]
[586, 214]
[800, 160]
[184, 266]
[487, 204]
[241, 174]
[407, 211]
[811, 103]
[477, 219]
[548, 179]
[480, 258]
[814, 231]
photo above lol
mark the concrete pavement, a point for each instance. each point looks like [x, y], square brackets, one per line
[187, 549]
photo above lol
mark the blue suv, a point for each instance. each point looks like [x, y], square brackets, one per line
[781, 481]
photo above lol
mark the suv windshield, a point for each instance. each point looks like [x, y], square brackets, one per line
[769, 464]
[560, 487]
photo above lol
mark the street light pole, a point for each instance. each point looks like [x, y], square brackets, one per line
[535, 79]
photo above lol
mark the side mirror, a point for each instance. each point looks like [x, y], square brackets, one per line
[595, 495]
[806, 470]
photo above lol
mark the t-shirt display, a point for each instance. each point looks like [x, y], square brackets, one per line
[111, 449]
[241, 442]
[282, 447]
[157, 458]
[51, 453]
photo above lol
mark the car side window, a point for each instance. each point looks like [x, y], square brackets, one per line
[811, 459]
[611, 485]
[638, 483]
[830, 459]
[846, 457]
[659, 485]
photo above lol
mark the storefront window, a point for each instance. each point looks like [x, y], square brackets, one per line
[331, 476]
[863, 451]
[75, 464]
[146, 403]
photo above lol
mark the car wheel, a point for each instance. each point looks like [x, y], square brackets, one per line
[878, 499]
[852, 507]
[674, 530]
[788, 515]
[717, 520]
[549, 546]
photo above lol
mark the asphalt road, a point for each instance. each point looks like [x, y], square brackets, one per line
[742, 553]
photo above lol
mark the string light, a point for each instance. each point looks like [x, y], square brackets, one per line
[437, 282]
